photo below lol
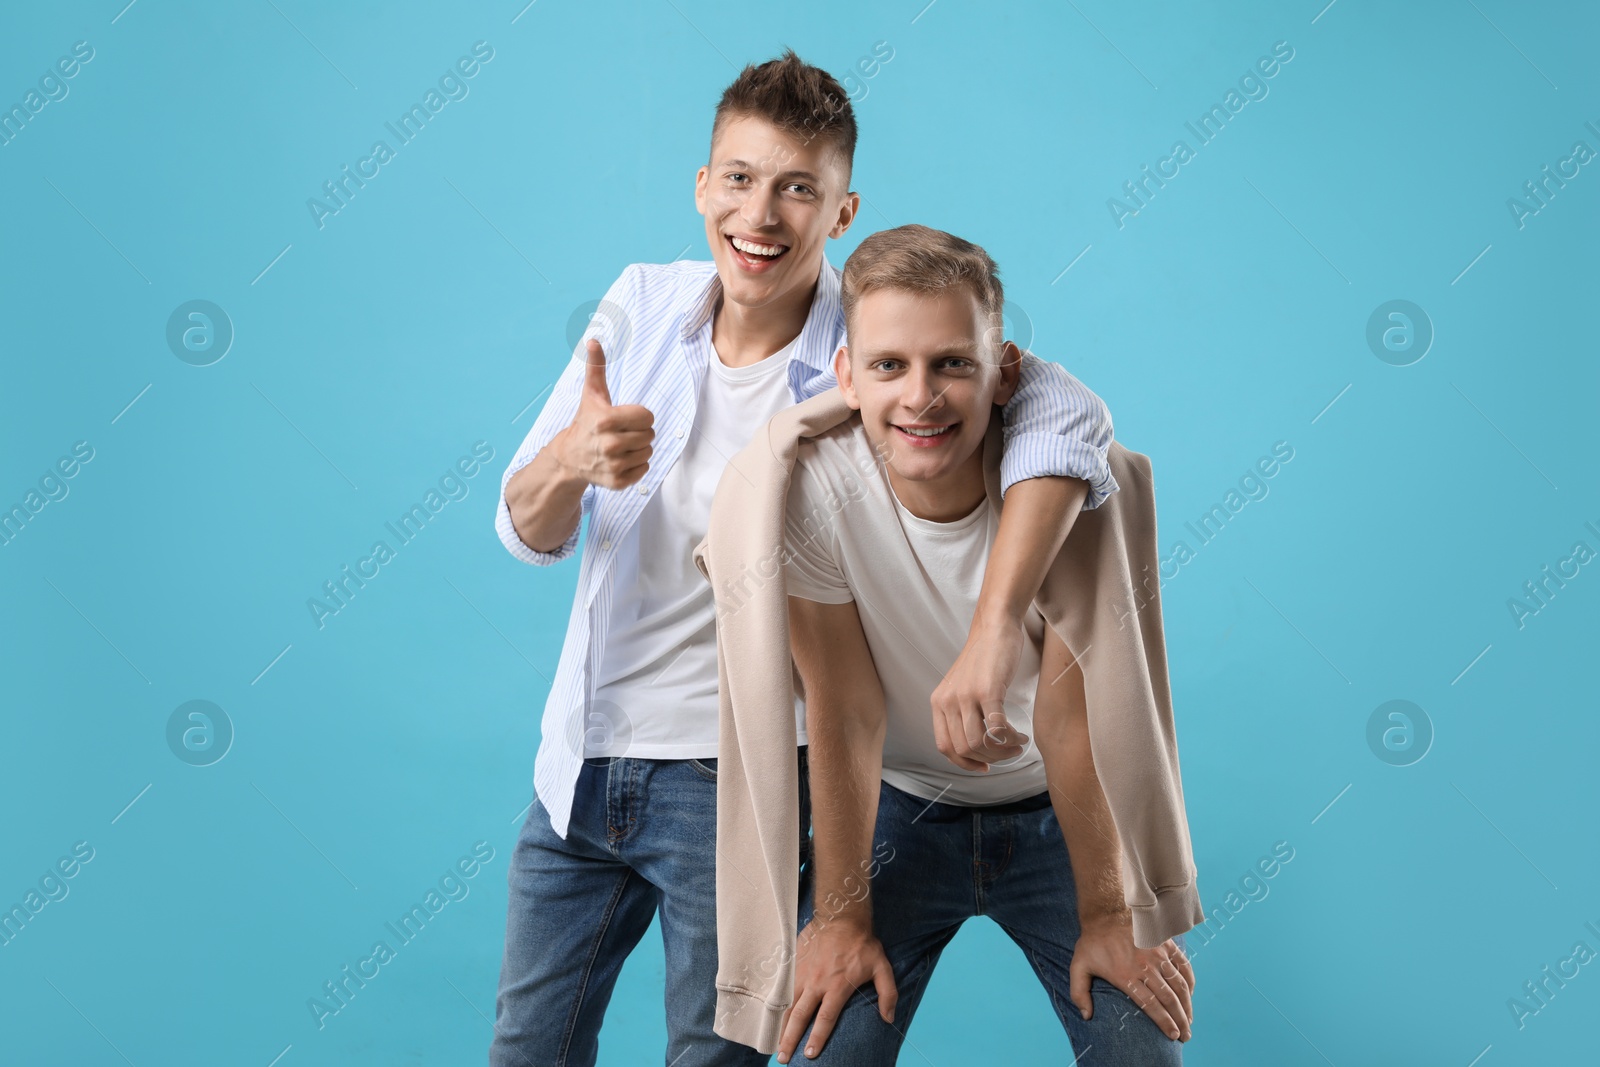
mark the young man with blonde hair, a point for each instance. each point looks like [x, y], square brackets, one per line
[889, 525]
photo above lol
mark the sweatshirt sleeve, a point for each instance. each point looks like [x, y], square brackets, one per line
[758, 777]
[1103, 595]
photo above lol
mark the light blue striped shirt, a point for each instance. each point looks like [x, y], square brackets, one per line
[655, 327]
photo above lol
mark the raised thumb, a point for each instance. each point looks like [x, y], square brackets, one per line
[594, 375]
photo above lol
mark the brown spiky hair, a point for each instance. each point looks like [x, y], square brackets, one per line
[804, 101]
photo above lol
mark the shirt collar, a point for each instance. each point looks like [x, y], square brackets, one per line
[818, 338]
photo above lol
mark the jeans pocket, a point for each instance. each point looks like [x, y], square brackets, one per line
[706, 768]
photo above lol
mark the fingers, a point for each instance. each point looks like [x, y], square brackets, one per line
[620, 477]
[999, 736]
[888, 993]
[827, 1016]
[991, 737]
[1181, 978]
[1175, 1005]
[972, 731]
[796, 1021]
[594, 375]
[946, 730]
[783, 1031]
[627, 417]
[1185, 968]
[1159, 1004]
[1169, 991]
[615, 444]
[1078, 987]
[620, 470]
[973, 736]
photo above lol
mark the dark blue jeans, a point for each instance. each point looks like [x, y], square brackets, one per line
[1009, 862]
[642, 839]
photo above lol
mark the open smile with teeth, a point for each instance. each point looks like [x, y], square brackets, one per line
[926, 431]
[755, 251]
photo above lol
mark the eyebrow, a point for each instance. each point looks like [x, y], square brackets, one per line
[958, 349]
[742, 165]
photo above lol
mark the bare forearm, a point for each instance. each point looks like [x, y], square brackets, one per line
[1061, 730]
[846, 766]
[845, 723]
[546, 500]
[1091, 836]
[1034, 523]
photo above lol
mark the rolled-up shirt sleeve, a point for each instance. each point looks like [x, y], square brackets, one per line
[1056, 426]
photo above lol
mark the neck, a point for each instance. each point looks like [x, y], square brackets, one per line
[947, 498]
[745, 335]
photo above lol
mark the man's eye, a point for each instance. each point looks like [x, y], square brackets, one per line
[803, 188]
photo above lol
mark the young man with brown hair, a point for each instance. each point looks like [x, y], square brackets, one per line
[681, 366]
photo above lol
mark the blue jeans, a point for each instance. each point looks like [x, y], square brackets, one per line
[1009, 862]
[642, 838]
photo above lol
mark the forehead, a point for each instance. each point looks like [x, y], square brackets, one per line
[911, 322]
[751, 142]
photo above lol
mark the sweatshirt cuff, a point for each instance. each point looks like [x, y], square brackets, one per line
[1176, 910]
[748, 1019]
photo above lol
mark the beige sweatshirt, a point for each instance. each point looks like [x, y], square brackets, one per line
[1101, 596]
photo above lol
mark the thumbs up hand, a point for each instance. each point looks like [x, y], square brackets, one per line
[607, 444]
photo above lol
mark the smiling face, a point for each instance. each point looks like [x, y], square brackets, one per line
[771, 199]
[925, 370]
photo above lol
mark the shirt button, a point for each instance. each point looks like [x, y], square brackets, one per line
[680, 433]
[643, 490]
[605, 546]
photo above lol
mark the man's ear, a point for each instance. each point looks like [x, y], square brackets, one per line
[700, 189]
[847, 214]
[847, 381]
[1010, 363]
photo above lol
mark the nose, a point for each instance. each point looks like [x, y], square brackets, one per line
[760, 208]
[918, 394]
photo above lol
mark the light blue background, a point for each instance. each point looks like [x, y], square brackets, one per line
[430, 312]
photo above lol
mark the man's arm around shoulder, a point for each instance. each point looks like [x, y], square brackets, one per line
[1056, 432]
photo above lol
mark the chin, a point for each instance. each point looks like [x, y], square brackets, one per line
[920, 474]
[750, 293]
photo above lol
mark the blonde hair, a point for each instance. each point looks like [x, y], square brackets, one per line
[921, 259]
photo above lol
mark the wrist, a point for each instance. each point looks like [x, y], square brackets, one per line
[842, 913]
[1104, 917]
[997, 616]
[850, 926]
[563, 473]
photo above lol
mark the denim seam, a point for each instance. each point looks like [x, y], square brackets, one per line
[625, 803]
[1055, 1000]
[588, 966]
[977, 863]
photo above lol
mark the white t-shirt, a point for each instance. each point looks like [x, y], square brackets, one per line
[915, 583]
[656, 687]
